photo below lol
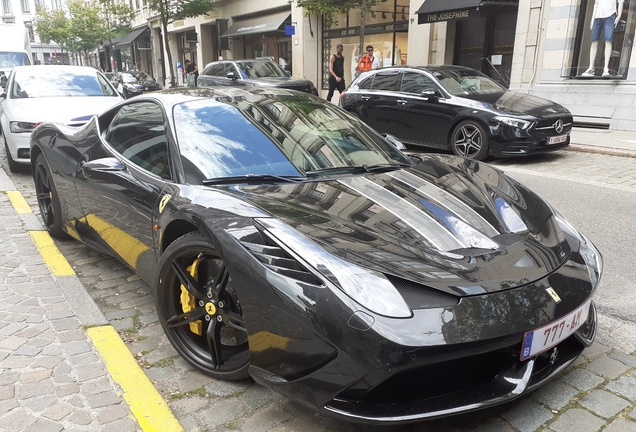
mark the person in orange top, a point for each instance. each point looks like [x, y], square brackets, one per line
[368, 61]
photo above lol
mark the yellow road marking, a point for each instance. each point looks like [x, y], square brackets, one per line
[147, 405]
[19, 203]
[51, 254]
[128, 247]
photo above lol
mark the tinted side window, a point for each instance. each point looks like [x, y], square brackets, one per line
[366, 83]
[138, 133]
[214, 70]
[415, 82]
[387, 81]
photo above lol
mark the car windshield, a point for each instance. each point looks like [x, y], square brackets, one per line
[283, 136]
[463, 82]
[260, 69]
[49, 81]
[11, 59]
[128, 78]
[142, 76]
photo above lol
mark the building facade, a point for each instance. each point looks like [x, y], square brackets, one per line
[22, 13]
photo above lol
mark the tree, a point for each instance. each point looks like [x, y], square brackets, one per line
[52, 26]
[170, 11]
[116, 20]
[86, 28]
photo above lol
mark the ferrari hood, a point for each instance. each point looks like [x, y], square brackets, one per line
[516, 103]
[67, 109]
[453, 224]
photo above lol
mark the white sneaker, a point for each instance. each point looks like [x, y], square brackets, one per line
[606, 72]
[588, 73]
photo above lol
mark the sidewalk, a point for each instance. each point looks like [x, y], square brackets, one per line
[59, 357]
[619, 143]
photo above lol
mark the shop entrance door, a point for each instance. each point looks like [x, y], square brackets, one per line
[486, 42]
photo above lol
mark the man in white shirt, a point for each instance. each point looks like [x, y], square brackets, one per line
[605, 17]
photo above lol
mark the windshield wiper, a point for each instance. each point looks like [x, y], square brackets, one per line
[357, 169]
[252, 178]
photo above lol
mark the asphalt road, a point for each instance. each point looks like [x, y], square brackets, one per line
[596, 192]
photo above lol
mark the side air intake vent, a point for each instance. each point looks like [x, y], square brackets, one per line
[276, 259]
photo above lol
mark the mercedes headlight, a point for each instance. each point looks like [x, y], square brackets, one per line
[514, 122]
[368, 288]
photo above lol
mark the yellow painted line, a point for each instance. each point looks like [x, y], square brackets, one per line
[19, 203]
[126, 246]
[51, 254]
[147, 405]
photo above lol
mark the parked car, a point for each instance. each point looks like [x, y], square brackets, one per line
[255, 73]
[459, 109]
[134, 83]
[289, 241]
[33, 94]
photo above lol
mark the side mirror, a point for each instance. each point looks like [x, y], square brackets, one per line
[394, 141]
[429, 94]
[231, 75]
[3, 81]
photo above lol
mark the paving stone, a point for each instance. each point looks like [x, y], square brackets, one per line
[29, 351]
[595, 350]
[582, 379]
[604, 403]
[258, 396]
[66, 389]
[103, 399]
[527, 416]
[123, 425]
[38, 404]
[112, 413]
[44, 425]
[270, 416]
[9, 377]
[607, 367]
[555, 395]
[624, 386]
[627, 359]
[12, 342]
[17, 420]
[228, 388]
[96, 386]
[35, 376]
[577, 420]
[80, 418]
[633, 414]
[26, 391]
[220, 413]
[71, 336]
[621, 425]
[7, 392]
[77, 347]
[123, 324]
[89, 371]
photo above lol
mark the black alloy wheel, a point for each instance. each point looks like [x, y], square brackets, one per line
[200, 311]
[470, 140]
[48, 199]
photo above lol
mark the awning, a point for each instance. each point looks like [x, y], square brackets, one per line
[264, 24]
[131, 37]
[448, 10]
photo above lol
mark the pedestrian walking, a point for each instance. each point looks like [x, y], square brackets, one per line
[192, 73]
[336, 72]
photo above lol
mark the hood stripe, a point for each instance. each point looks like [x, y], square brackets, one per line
[444, 199]
[428, 227]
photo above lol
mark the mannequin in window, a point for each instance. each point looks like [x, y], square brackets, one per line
[605, 18]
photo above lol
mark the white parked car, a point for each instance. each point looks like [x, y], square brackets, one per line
[64, 94]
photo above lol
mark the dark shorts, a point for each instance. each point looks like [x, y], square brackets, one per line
[605, 24]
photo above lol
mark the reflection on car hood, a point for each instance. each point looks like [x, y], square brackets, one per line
[517, 103]
[59, 109]
[452, 224]
[279, 81]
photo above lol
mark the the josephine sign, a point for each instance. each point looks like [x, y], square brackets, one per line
[447, 16]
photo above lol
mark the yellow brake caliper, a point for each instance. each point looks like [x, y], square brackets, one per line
[188, 302]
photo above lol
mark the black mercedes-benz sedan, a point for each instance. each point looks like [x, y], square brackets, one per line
[252, 73]
[288, 241]
[459, 109]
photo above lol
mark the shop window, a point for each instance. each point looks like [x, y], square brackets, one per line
[613, 54]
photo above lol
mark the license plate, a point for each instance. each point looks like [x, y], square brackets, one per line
[557, 139]
[542, 339]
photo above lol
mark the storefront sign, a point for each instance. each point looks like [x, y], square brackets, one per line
[368, 30]
[446, 16]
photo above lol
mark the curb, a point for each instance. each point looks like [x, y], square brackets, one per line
[149, 408]
[601, 150]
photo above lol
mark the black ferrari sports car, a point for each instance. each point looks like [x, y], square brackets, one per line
[288, 241]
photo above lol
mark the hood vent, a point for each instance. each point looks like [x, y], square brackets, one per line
[418, 296]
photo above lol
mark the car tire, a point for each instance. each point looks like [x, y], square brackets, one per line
[470, 140]
[48, 199]
[14, 166]
[204, 323]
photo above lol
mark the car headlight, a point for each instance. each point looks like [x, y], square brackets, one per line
[21, 127]
[514, 122]
[593, 259]
[368, 288]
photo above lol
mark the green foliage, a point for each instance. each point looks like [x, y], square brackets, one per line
[328, 8]
[86, 26]
[52, 26]
[117, 18]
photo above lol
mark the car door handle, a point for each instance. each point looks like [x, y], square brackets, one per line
[365, 98]
[401, 102]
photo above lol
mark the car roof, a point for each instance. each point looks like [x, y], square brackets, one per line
[60, 68]
[426, 68]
